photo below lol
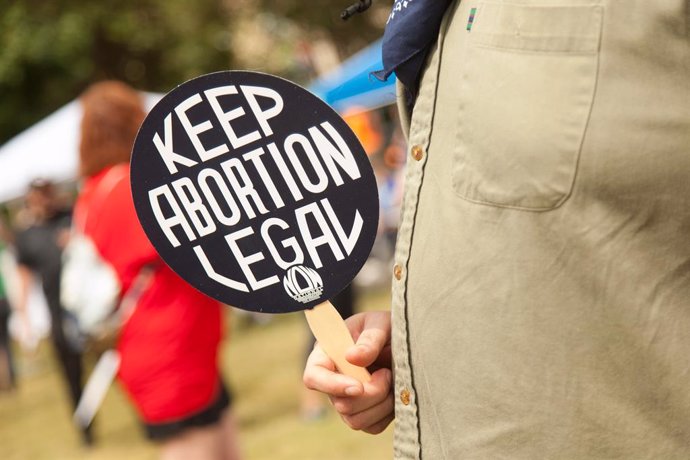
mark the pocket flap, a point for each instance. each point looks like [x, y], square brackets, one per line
[555, 29]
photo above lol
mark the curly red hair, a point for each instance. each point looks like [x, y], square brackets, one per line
[112, 115]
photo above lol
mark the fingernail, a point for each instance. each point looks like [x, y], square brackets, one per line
[352, 391]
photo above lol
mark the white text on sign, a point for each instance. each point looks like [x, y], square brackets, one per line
[239, 195]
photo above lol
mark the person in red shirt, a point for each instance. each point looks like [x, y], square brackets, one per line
[169, 344]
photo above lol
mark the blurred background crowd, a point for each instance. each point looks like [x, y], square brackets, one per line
[50, 54]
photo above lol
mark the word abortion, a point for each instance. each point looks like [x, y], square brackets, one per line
[186, 198]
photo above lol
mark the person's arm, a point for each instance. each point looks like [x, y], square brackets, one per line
[26, 279]
[367, 407]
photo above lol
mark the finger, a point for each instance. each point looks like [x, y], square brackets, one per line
[371, 417]
[375, 392]
[375, 335]
[320, 374]
[380, 426]
[385, 359]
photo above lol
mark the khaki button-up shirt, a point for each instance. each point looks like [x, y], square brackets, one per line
[542, 306]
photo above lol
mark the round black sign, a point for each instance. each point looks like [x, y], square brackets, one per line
[254, 191]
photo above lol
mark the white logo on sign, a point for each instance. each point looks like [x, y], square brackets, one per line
[303, 283]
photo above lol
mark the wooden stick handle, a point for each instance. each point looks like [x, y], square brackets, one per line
[334, 338]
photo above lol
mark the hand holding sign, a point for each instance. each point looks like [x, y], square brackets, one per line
[258, 194]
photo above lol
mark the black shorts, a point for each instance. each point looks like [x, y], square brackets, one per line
[209, 416]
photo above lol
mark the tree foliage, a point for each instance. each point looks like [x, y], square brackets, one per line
[51, 50]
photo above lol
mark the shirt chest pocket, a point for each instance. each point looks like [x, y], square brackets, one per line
[526, 89]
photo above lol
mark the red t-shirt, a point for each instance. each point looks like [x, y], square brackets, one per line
[169, 346]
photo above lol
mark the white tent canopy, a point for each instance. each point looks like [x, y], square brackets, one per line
[49, 150]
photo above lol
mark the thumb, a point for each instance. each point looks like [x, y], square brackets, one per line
[375, 335]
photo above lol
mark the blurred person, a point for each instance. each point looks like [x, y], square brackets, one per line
[391, 185]
[169, 345]
[38, 249]
[7, 369]
[541, 286]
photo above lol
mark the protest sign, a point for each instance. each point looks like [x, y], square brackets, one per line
[254, 191]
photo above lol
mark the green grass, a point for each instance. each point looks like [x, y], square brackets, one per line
[263, 363]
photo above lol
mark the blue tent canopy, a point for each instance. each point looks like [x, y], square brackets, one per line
[351, 86]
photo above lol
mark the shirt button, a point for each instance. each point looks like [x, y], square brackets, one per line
[405, 397]
[417, 152]
[397, 272]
